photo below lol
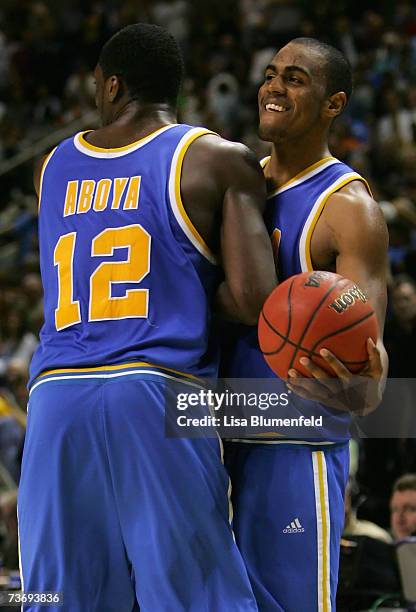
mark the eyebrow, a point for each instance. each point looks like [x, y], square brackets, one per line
[290, 68]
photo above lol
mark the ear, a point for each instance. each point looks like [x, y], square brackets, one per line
[112, 88]
[335, 104]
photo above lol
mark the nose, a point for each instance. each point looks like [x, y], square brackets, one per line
[276, 84]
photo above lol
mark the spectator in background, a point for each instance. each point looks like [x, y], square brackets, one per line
[8, 518]
[398, 124]
[223, 103]
[17, 343]
[403, 507]
[358, 527]
[400, 332]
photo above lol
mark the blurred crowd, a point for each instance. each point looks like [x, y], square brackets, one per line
[47, 54]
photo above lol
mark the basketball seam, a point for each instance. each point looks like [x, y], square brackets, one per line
[285, 338]
[315, 312]
[339, 331]
[297, 346]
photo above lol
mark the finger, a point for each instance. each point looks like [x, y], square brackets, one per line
[336, 365]
[310, 387]
[374, 353]
[322, 398]
[304, 393]
[328, 381]
[374, 366]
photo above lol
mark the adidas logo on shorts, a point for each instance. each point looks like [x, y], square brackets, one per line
[294, 527]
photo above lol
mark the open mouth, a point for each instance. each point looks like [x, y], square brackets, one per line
[275, 108]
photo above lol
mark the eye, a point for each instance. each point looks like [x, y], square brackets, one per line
[294, 79]
[268, 77]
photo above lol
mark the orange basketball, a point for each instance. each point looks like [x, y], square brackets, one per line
[311, 311]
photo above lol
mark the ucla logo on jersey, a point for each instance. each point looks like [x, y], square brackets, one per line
[86, 195]
[347, 299]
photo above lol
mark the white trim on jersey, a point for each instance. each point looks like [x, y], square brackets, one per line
[319, 167]
[316, 211]
[175, 194]
[101, 153]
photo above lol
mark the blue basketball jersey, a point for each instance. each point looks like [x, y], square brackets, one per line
[127, 277]
[291, 215]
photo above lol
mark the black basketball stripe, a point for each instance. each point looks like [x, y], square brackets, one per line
[339, 331]
[313, 315]
[310, 353]
[289, 324]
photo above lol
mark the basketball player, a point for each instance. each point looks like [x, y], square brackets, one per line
[133, 219]
[288, 493]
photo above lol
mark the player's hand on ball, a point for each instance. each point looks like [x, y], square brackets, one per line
[358, 393]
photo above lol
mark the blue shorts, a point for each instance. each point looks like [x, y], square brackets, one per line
[117, 516]
[288, 504]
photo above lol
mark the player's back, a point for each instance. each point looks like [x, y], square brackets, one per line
[127, 277]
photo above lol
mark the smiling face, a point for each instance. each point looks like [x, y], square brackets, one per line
[293, 96]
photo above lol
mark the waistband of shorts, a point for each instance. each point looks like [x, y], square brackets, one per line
[139, 369]
[282, 441]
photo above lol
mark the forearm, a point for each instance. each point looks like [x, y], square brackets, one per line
[243, 311]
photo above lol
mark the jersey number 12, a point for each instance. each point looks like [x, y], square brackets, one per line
[103, 307]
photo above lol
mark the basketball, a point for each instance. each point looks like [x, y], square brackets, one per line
[311, 311]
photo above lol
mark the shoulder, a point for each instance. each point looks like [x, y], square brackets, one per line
[40, 165]
[214, 165]
[219, 153]
[354, 208]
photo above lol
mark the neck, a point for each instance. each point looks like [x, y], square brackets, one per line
[290, 158]
[130, 122]
[134, 114]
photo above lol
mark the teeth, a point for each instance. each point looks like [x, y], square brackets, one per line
[275, 107]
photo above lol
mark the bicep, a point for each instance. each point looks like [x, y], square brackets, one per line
[361, 253]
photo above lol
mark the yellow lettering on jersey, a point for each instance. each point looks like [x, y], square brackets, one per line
[71, 198]
[119, 186]
[101, 194]
[132, 197]
[85, 196]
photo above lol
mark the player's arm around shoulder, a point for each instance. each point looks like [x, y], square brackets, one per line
[225, 178]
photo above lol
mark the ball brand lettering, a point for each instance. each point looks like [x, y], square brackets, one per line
[314, 280]
[347, 299]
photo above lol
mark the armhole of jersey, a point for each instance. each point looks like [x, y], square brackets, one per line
[175, 197]
[313, 217]
[42, 172]
[265, 161]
